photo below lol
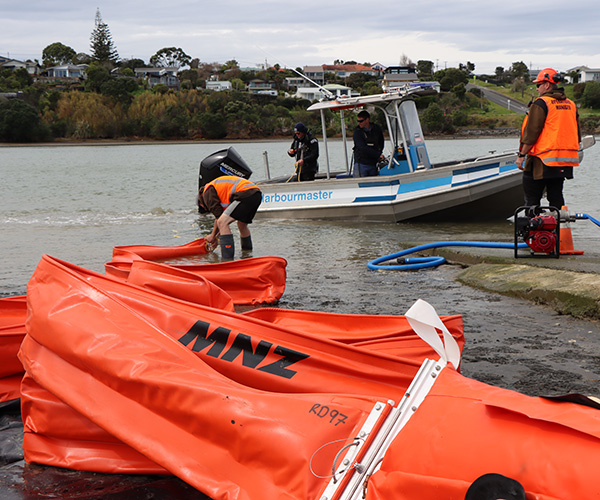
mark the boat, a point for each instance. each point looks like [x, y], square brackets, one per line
[260, 405]
[408, 186]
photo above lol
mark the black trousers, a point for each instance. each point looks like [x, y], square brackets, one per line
[534, 189]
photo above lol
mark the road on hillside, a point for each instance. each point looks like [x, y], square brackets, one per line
[500, 99]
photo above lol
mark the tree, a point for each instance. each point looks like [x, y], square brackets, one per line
[97, 75]
[120, 89]
[450, 77]
[425, 69]
[23, 78]
[103, 49]
[132, 63]
[170, 57]
[405, 61]
[591, 95]
[467, 68]
[578, 89]
[433, 118]
[20, 122]
[574, 76]
[519, 70]
[231, 64]
[82, 58]
[56, 53]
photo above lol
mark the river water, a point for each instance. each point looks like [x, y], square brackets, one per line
[76, 202]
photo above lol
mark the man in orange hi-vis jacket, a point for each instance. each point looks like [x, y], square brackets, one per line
[230, 198]
[549, 147]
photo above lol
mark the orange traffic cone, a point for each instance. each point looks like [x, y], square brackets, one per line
[566, 238]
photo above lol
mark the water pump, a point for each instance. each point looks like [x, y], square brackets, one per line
[539, 228]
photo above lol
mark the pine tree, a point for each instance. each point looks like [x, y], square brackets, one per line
[103, 49]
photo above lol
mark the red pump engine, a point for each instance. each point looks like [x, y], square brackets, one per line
[541, 235]
[539, 228]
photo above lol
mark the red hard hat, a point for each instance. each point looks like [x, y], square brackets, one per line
[547, 75]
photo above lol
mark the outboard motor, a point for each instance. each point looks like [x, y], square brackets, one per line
[223, 162]
[539, 227]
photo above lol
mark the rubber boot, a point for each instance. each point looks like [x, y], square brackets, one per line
[247, 243]
[227, 246]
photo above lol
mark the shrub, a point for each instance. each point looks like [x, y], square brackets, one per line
[591, 95]
[433, 118]
[20, 122]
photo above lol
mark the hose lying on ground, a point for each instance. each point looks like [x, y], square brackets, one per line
[423, 262]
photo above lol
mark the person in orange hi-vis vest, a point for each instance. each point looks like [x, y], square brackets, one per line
[549, 147]
[230, 198]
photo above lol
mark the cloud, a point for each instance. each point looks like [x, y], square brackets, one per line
[539, 33]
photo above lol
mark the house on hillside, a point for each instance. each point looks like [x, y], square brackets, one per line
[584, 74]
[69, 71]
[31, 67]
[380, 68]
[154, 76]
[261, 87]
[345, 70]
[398, 76]
[316, 93]
[296, 81]
[218, 85]
[315, 73]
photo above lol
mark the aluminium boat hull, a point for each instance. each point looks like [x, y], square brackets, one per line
[489, 187]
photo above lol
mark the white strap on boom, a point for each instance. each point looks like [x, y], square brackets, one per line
[424, 320]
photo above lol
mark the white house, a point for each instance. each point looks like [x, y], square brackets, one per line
[316, 93]
[584, 74]
[31, 67]
[218, 85]
[67, 71]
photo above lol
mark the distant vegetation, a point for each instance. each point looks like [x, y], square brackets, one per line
[120, 109]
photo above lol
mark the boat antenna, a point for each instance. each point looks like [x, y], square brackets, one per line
[328, 93]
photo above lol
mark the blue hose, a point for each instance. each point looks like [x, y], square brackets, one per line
[589, 217]
[424, 262]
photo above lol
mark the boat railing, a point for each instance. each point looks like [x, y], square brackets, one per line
[494, 154]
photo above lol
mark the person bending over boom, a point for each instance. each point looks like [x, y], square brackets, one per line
[230, 198]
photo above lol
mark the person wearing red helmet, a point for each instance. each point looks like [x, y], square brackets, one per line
[549, 146]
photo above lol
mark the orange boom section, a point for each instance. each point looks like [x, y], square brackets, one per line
[13, 311]
[256, 280]
[465, 429]
[194, 389]
[244, 408]
[152, 252]
[387, 334]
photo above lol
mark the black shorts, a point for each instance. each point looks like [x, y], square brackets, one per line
[245, 209]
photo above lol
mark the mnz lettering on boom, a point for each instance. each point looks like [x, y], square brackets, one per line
[266, 357]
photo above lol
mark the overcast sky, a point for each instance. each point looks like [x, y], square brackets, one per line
[547, 33]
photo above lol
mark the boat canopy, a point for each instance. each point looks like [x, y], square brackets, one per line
[402, 121]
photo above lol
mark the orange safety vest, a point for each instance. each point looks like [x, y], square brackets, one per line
[227, 185]
[558, 143]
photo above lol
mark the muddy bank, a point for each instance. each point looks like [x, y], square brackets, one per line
[510, 342]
